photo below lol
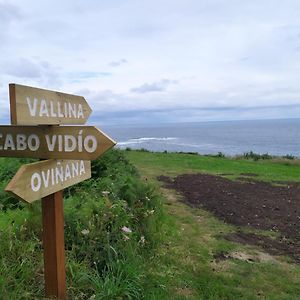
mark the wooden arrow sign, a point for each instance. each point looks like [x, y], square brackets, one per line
[33, 106]
[40, 179]
[62, 142]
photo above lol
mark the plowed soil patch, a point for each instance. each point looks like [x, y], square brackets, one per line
[254, 204]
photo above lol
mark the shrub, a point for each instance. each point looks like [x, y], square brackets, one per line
[256, 156]
[289, 156]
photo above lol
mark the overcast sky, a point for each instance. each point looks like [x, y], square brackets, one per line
[141, 61]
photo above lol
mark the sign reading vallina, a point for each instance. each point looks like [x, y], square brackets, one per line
[37, 180]
[33, 106]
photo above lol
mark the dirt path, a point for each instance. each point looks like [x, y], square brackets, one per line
[251, 203]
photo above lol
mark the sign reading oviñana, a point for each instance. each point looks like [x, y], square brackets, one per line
[37, 180]
[33, 106]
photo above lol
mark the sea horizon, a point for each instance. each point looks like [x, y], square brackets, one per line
[278, 137]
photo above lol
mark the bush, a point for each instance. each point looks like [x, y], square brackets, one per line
[220, 154]
[256, 156]
[289, 156]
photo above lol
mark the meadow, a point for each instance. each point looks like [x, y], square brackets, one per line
[128, 236]
[196, 260]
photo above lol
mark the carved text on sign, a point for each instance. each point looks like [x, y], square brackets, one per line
[36, 180]
[57, 174]
[65, 142]
[48, 108]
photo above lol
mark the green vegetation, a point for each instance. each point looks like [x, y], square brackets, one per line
[111, 225]
[125, 241]
[171, 164]
[186, 266]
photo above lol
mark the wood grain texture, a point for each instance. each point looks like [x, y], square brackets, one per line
[37, 180]
[35, 106]
[12, 100]
[54, 246]
[55, 136]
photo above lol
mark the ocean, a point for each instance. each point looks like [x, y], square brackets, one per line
[275, 137]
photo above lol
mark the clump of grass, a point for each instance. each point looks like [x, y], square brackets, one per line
[218, 155]
[191, 153]
[256, 156]
[289, 156]
[143, 150]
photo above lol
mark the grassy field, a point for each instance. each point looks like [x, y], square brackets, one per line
[184, 266]
[172, 164]
[127, 237]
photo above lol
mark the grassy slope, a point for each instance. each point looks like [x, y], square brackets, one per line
[184, 265]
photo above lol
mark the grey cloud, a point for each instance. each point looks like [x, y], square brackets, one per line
[36, 71]
[118, 62]
[23, 68]
[9, 12]
[144, 30]
[297, 48]
[158, 86]
[192, 114]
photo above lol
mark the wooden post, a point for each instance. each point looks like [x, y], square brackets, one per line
[54, 246]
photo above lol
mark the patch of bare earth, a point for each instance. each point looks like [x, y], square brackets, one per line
[255, 204]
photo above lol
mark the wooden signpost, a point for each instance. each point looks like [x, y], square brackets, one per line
[68, 142]
[68, 149]
[37, 180]
[32, 106]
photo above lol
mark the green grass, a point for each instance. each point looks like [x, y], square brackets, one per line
[184, 266]
[171, 164]
[168, 255]
[104, 260]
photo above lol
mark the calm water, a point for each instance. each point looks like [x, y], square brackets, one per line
[276, 137]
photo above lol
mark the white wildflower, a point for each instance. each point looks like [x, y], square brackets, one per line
[105, 193]
[142, 240]
[85, 231]
[126, 229]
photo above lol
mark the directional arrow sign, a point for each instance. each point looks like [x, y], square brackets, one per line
[33, 106]
[37, 180]
[63, 142]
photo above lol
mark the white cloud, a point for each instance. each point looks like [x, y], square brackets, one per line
[232, 53]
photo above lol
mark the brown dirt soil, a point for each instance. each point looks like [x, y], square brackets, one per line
[255, 204]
